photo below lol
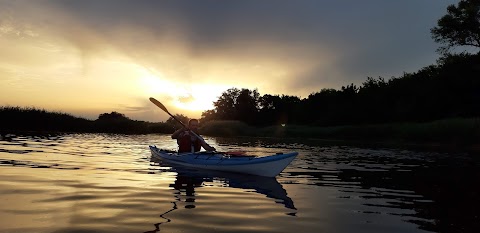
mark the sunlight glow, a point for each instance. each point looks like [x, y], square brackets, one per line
[200, 97]
[192, 97]
[153, 84]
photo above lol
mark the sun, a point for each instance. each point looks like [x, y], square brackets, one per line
[191, 97]
[195, 104]
[199, 97]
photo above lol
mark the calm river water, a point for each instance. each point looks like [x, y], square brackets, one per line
[109, 183]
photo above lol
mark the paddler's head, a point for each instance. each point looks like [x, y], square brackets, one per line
[193, 124]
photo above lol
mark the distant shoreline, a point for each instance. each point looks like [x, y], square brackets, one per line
[462, 133]
[447, 134]
[444, 135]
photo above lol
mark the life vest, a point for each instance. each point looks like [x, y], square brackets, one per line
[187, 143]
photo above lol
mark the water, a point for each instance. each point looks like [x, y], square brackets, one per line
[109, 183]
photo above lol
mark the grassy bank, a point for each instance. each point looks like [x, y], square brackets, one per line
[457, 131]
[19, 119]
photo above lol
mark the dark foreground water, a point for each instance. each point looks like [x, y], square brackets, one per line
[109, 183]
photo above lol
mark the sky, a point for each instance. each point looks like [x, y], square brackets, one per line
[87, 57]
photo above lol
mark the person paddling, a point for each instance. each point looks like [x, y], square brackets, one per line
[187, 140]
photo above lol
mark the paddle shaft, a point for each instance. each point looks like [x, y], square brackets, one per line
[160, 105]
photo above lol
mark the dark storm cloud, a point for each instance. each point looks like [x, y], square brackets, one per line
[208, 25]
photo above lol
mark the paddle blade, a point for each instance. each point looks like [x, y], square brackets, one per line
[160, 105]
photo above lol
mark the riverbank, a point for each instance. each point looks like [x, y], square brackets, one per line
[452, 134]
[448, 134]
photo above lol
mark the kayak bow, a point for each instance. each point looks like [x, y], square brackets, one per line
[268, 166]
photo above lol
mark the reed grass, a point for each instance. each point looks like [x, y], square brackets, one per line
[35, 119]
[31, 119]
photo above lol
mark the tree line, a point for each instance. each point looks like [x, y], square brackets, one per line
[17, 119]
[448, 89]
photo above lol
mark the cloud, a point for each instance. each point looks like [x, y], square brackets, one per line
[186, 99]
[280, 46]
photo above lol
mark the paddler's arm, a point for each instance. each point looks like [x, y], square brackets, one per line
[178, 132]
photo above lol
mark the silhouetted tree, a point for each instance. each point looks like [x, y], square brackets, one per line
[321, 108]
[234, 104]
[246, 105]
[113, 116]
[209, 115]
[275, 109]
[375, 101]
[225, 105]
[269, 106]
[113, 122]
[459, 27]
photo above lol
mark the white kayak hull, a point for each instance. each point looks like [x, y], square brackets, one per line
[269, 166]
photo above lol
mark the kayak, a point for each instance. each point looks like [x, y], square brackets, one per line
[268, 166]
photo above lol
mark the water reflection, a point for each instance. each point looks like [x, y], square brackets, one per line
[189, 179]
[186, 188]
[163, 216]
